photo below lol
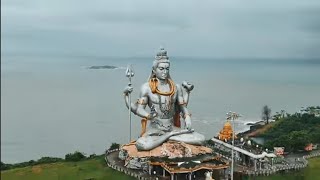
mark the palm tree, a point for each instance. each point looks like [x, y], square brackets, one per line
[277, 116]
[282, 113]
[314, 110]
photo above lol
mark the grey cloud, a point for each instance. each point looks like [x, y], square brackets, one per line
[141, 19]
[310, 19]
[189, 28]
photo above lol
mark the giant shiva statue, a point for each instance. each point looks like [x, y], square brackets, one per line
[167, 102]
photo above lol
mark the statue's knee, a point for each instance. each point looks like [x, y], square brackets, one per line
[198, 138]
[142, 145]
[201, 138]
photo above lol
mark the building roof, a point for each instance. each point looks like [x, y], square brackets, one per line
[191, 166]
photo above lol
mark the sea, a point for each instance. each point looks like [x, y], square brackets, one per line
[52, 105]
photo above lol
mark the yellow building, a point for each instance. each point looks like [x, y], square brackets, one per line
[226, 132]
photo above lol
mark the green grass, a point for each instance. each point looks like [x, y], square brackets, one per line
[97, 169]
[92, 168]
[311, 172]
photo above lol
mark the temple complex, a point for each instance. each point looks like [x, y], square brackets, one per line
[169, 148]
[226, 133]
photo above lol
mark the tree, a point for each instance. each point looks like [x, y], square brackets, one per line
[298, 140]
[114, 146]
[313, 110]
[282, 113]
[5, 166]
[45, 160]
[277, 116]
[266, 114]
[76, 156]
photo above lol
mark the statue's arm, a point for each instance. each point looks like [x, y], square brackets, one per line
[127, 91]
[143, 101]
[186, 88]
[181, 100]
[183, 107]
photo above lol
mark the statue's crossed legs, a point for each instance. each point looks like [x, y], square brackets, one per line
[154, 138]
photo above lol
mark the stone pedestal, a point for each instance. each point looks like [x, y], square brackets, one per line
[135, 159]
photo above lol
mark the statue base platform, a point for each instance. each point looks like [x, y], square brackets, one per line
[170, 150]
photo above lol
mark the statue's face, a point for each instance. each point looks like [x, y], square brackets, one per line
[162, 71]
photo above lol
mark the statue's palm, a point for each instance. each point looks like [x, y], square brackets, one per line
[128, 90]
[188, 122]
[153, 112]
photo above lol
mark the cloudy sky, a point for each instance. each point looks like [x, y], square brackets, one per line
[206, 28]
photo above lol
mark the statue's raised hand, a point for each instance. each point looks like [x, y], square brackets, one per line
[188, 122]
[153, 112]
[188, 86]
[127, 90]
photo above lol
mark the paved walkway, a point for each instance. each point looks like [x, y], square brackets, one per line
[290, 162]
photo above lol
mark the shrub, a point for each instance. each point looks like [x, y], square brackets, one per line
[76, 156]
[210, 142]
[5, 166]
[45, 160]
[114, 146]
[92, 156]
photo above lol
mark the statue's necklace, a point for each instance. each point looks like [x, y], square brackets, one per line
[153, 83]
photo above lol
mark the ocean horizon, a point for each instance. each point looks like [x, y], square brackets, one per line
[55, 104]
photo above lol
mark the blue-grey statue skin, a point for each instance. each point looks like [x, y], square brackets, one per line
[161, 127]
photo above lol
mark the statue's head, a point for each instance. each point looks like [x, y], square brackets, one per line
[161, 65]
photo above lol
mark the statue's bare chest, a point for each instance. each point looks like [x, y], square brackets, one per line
[164, 105]
[156, 98]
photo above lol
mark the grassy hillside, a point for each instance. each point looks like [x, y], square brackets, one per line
[88, 169]
[293, 132]
[96, 169]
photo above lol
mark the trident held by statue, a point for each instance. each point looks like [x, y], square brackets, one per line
[129, 74]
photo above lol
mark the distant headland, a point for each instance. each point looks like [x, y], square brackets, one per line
[103, 67]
